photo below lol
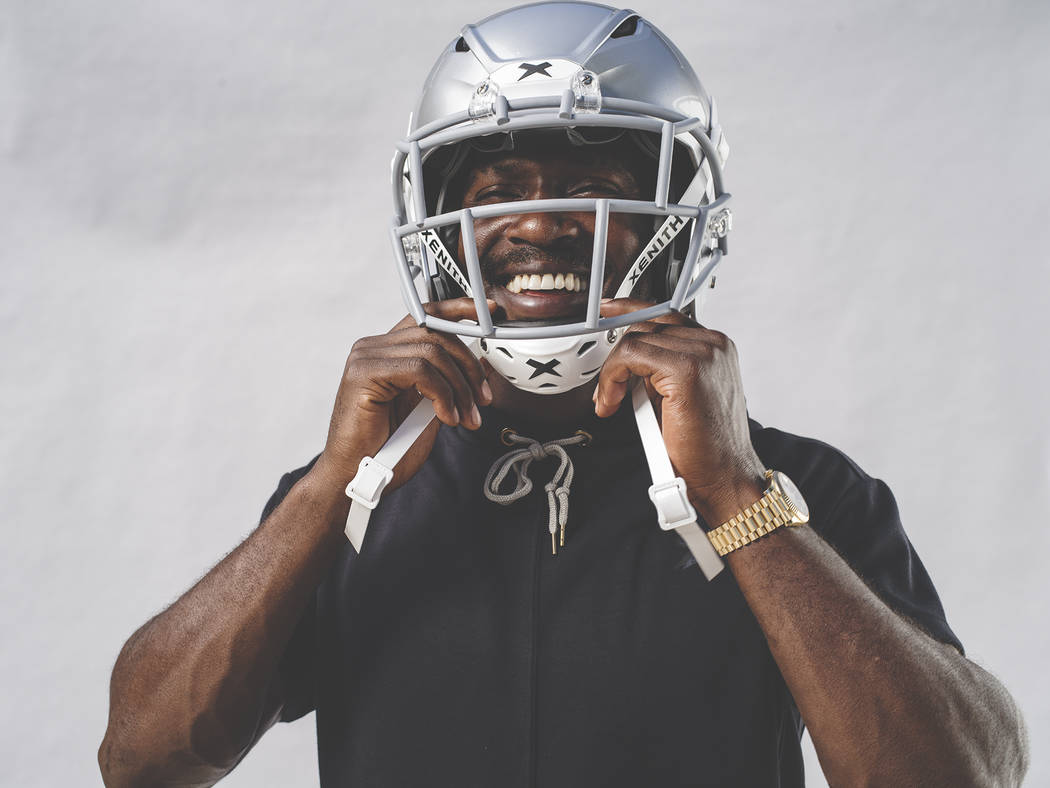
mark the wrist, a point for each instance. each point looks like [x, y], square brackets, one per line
[326, 484]
[717, 503]
[333, 472]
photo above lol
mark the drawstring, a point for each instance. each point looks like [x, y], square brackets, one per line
[519, 460]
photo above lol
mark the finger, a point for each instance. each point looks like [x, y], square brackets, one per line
[621, 306]
[395, 375]
[456, 308]
[438, 357]
[469, 365]
[694, 340]
[683, 339]
[632, 356]
[450, 309]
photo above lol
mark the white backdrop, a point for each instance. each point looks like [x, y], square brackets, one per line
[193, 213]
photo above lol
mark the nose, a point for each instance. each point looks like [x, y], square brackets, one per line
[543, 229]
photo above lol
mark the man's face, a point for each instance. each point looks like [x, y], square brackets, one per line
[537, 266]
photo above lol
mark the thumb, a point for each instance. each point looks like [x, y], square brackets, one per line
[611, 307]
[451, 309]
[456, 308]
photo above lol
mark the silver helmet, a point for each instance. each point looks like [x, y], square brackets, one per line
[597, 74]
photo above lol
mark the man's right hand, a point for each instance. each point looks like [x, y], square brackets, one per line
[173, 718]
[386, 376]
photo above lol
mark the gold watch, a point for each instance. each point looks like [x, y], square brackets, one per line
[782, 504]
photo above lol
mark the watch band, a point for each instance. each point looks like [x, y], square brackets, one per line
[760, 518]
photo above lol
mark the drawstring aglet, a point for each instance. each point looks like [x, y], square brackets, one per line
[518, 460]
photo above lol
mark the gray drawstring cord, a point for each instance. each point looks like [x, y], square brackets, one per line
[519, 459]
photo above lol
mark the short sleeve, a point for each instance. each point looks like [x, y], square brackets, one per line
[295, 669]
[864, 526]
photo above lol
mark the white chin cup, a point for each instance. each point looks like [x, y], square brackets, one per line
[552, 365]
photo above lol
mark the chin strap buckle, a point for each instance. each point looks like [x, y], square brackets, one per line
[673, 509]
[367, 486]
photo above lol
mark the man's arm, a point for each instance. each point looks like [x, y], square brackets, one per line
[885, 703]
[197, 686]
[193, 689]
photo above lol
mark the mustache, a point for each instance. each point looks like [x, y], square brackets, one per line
[573, 256]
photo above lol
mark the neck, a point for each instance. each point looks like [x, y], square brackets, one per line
[552, 411]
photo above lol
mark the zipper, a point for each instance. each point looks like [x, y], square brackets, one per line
[534, 666]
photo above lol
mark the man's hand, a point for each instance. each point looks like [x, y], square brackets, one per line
[386, 376]
[693, 377]
[857, 670]
[174, 719]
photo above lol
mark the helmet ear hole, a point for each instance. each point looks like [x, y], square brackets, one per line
[628, 28]
[462, 45]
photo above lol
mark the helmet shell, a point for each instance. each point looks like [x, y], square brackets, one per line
[632, 59]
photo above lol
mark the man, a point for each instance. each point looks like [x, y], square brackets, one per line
[472, 634]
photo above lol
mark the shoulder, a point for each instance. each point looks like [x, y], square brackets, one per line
[822, 472]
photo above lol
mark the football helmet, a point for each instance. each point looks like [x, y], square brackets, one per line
[597, 75]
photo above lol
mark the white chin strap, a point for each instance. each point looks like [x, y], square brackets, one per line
[667, 492]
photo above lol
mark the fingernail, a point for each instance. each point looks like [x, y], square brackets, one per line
[594, 396]
[455, 414]
[486, 391]
[475, 416]
[607, 300]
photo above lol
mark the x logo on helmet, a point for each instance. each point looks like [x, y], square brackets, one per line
[542, 367]
[531, 69]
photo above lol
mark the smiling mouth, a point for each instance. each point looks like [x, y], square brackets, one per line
[542, 283]
[553, 296]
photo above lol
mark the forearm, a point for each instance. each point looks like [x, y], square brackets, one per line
[189, 689]
[885, 703]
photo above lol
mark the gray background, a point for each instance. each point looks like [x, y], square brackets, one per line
[193, 208]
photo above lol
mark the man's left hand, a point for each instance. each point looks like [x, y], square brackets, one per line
[693, 377]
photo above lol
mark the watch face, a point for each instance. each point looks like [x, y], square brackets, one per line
[792, 493]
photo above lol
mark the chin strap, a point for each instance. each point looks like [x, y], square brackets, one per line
[375, 473]
[667, 492]
[673, 510]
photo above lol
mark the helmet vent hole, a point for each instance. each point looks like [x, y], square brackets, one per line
[628, 28]
[510, 378]
[591, 371]
[548, 385]
[462, 46]
[504, 351]
[585, 347]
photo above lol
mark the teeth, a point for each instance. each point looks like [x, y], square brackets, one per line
[569, 282]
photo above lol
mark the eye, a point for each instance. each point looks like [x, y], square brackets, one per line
[600, 188]
[497, 193]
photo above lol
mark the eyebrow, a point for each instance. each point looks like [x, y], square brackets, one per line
[504, 168]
